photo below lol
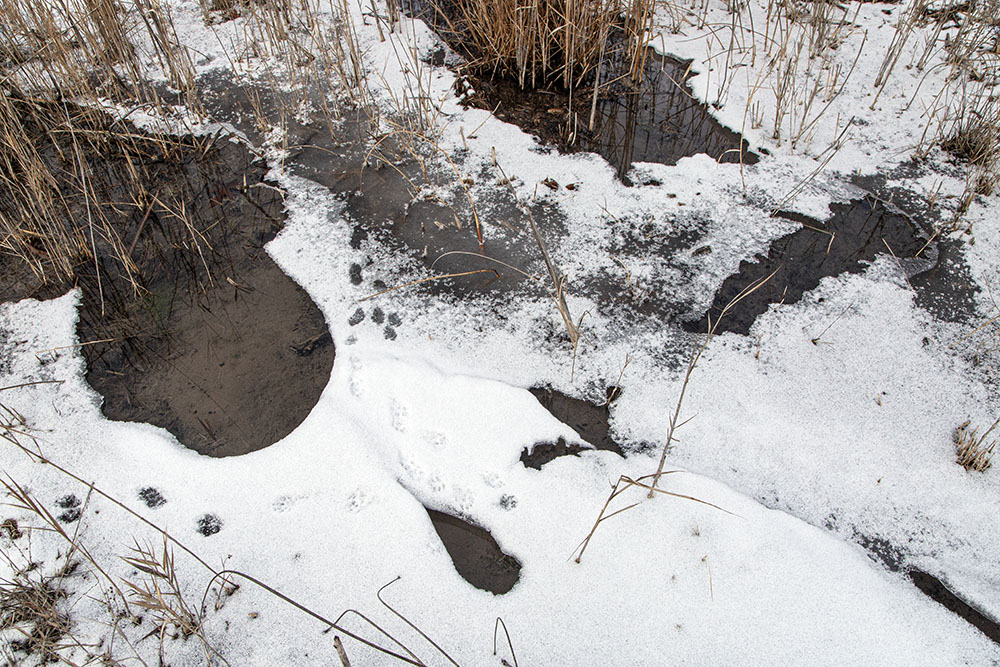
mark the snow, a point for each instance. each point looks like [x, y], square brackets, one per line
[811, 449]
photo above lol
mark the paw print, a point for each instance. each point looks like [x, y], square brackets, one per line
[354, 383]
[400, 416]
[209, 525]
[493, 480]
[412, 468]
[436, 483]
[152, 497]
[358, 500]
[434, 439]
[283, 504]
[464, 500]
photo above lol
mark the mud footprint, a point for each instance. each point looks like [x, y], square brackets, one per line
[209, 525]
[71, 504]
[392, 321]
[152, 497]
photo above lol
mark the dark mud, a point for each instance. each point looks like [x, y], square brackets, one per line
[226, 354]
[589, 420]
[854, 234]
[476, 555]
[204, 338]
[932, 587]
[657, 120]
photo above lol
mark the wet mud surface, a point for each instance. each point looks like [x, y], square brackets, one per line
[853, 235]
[226, 354]
[932, 587]
[476, 555]
[206, 337]
[590, 421]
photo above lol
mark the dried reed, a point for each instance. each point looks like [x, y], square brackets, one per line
[546, 42]
[973, 451]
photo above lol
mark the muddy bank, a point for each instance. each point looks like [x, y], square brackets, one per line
[935, 589]
[185, 321]
[476, 555]
[222, 348]
[589, 420]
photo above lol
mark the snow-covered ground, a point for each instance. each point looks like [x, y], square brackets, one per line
[812, 450]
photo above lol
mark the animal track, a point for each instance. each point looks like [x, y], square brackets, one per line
[152, 497]
[283, 504]
[493, 480]
[354, 383]
[209, 525]
[414, 471]
[71, 504]
[436, 483]
[400, 416]
[358, 500]
[378, 316]
[464, 500]
[435, 439]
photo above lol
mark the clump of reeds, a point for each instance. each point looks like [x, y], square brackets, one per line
[75, 184]
[963, 117]
[52, 56]
[31, 605]
[545, 42]
[160, 592]
[972, 450]
[93, 48]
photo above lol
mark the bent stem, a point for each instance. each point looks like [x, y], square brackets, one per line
[674, 424]
[645, 482]
[559, 280]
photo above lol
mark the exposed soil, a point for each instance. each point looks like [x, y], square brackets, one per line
[854, 234]
[934, 588]
[476, 555]
[208, 338]
[589, 420]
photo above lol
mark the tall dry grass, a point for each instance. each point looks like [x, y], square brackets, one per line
[545, 42]
[962, 39]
